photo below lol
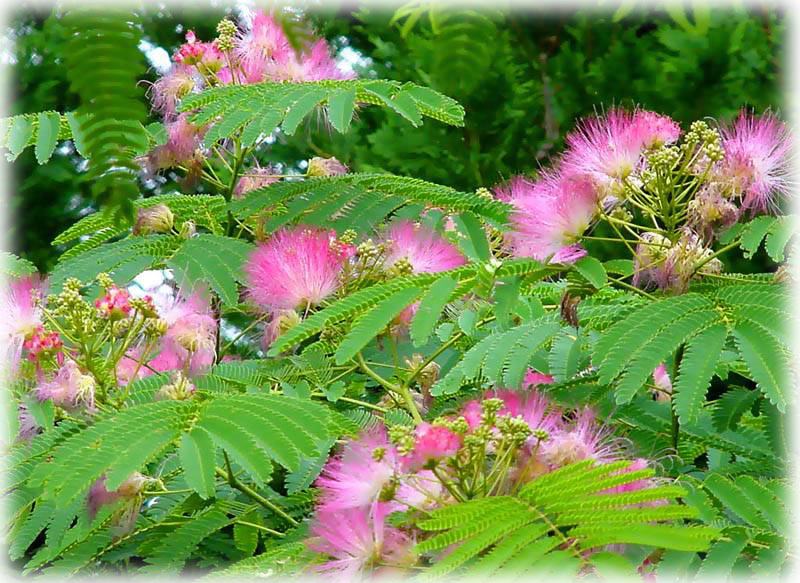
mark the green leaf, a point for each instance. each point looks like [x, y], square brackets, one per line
[778, 237]
[211, 260]
[9, 417]
[754, 232]
[766, 360]
[14, 266]
[49, 123]
[340, 108]
[198, 460]
[696, 369]
[21, 132]
[592, 270]
[475, 246]
[430, 309]
[301, 108]
[373, 322]
[615, 568]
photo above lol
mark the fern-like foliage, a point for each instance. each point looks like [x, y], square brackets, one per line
[556, 518]
[258, 109]
[103, 65]
[354, 200]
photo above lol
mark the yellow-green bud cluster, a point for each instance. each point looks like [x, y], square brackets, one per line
[402, 436]
[400, 268]
[227, 33]
[513, 428]
[349, 236]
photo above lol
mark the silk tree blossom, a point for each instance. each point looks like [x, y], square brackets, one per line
[758, 161]
[129, 497]
[356, 540]
[296, 268]
[431, 444]
[356, 477]
[168, 90]
[608, 149]
[70, 388]
[318, 166]
[262, 44]
[549, 216]
[534, 378]
[424, 249]
[584, 438]
[313, 64]
[254, 179]
[19, 316]
[190, 340]
[181, 148]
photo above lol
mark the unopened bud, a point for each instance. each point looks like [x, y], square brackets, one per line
[154, 219]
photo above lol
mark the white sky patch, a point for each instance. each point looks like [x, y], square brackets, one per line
[156, 56]
[349, 57]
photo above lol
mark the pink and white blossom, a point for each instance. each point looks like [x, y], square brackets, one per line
[297, 267]
[758, 161]
[19, 316]
[424, 249]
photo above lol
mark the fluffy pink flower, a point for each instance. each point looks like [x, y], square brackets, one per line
[262, 44]
[431, 443]
[355, 478]
[610, 148]
[423, 248]
[549, 216]
[583, 439]
[356, 539]
[191, 334]
[69, 388]
[19, 317]
[530, 405]
[655, 128]
[297, 267]
[758, 161]
[314, 64]
[183, 140]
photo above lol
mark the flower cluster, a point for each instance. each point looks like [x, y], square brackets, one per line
[260, 53]
[493, 446]
[627, 168]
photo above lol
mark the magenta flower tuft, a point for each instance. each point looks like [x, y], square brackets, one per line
[19, 316]
[549, 216]
[355, 477]
[314, 64]
[115, 304]
[757, 161]
[431, 444]
[609, 148]
[356, 540]
[534, 378]
[296, 268]
[263, 43]
[422, 247]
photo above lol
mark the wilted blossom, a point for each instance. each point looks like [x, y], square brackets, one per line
[153, 219]
[280, 322]
[181, 148]
[253, 179]
[325, 167]
[549, 216]
[297, 267]
[19, 316]
[356, 540]
[69, 388]
[169, 89]
[27, 424]
[129, 493]
[424, 249]
[710, 212]
[758, 161]
[670, 266]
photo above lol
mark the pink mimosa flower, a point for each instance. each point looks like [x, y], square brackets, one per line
[423, 248]
[69, 388]
[19, 316]
[262, 44]
[583, 439]
[431, 444]
[758, 161]
[314, 64]
[296, 268]
[355, 478]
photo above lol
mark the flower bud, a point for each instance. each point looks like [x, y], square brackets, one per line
[325, 167]
[154, 219]
[187, 230]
